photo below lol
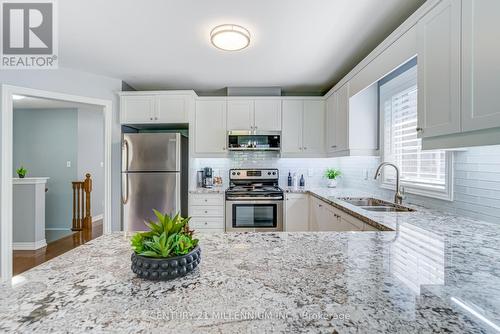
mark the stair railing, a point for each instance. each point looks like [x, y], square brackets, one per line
[82, 217]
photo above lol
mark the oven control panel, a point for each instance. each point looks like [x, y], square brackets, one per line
[253, 174]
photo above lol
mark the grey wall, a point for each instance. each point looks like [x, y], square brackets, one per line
[91, 154]
[44, 141]
[79, 83]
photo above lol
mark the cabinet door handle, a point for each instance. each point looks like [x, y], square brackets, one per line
[333, 146]
[206, 200]
[223, 148]
[305, 148]
[151, 118]
[206, 211]
[420, 130]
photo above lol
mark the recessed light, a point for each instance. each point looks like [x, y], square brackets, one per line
[230, 37]
[18, 97]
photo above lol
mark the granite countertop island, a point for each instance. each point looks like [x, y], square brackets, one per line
[434, 273]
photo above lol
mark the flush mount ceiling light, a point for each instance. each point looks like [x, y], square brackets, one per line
[230, 37]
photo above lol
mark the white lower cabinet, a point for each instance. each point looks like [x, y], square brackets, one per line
[296, 213]
[207, 212]
[325, 217]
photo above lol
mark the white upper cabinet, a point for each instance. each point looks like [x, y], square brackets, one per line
[342, 119]
[438, 44]
[331, 112]
[210, 126]
[267, 115]
[352, 122]
[313, 140]
[173, 108]
[259, 115]
[303, 130]
[480, 64]
[291, 137]
[137, 109]
[155, 107]
[240, 114]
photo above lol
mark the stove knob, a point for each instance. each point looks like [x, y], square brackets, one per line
[269, 173]
[234, 173]
[238, 173]
[274, 173]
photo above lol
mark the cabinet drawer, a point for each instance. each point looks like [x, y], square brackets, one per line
[208, 223]
[204, 211]
[204, 200]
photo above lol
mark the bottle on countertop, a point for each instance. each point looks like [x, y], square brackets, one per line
[302, 182]
[295, 182]
[289, 184]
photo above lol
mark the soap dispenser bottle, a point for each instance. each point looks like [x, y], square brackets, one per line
[289, 184]
[302, 182]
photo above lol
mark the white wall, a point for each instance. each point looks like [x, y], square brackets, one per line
[84, 84]
[91, 154]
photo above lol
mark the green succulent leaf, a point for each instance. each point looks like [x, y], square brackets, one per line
[332, 173]
[168, 236]
[137, 243]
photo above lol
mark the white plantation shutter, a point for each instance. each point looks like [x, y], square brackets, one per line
[426, 170]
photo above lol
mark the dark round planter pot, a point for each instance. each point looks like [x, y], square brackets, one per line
[163, 269]
[20, 176]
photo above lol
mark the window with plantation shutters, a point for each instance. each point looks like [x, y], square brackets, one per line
[422, 172]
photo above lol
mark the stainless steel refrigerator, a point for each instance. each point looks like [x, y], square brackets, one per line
[154, 176]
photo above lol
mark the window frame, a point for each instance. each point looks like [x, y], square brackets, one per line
[410, 187]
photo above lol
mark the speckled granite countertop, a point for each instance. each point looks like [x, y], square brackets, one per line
[214, 190]
[434, 273]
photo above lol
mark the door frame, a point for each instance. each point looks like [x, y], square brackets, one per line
[6, 163]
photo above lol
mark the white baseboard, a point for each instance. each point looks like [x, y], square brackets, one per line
[29, 245]
[97, 218]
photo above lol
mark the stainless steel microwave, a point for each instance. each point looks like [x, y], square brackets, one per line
[246, 140]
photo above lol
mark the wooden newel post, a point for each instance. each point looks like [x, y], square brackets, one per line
[81, 204]
[87, 186]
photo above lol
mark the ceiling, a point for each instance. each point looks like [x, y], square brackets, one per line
[30, 102]
[303, 46]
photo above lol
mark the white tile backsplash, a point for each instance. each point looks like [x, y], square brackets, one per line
[476, 177]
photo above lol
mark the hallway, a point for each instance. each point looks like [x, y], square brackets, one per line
[24, 260]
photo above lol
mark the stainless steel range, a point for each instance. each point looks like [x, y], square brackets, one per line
[254, 201]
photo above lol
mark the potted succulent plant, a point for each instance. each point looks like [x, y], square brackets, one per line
[21, 172]
[332, 175]
[168, 250]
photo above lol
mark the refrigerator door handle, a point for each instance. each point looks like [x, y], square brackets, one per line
[125, 200]
[126, 149]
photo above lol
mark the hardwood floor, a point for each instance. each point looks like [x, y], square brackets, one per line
[24, 260]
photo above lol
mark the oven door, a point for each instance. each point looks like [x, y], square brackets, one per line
[254, 215]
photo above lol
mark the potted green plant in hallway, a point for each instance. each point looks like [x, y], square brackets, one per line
[168, 250]
[332, 174]
[21, 172]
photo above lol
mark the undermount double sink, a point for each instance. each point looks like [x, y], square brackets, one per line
[377, 205]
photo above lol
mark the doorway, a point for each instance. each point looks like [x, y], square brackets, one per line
[60, 107]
